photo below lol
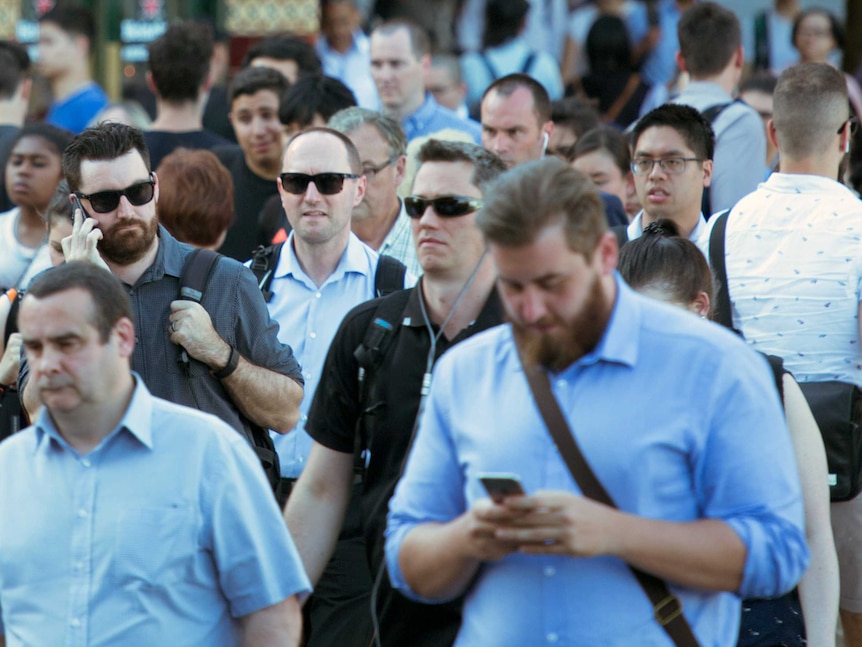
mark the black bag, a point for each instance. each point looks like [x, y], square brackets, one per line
[837, 406]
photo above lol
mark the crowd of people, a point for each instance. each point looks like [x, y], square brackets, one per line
[418, 336]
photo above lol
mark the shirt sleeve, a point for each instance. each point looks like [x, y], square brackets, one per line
[258, 564]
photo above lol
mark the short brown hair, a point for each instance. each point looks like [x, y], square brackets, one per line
[532, 196]
[195, 196]
[709, 35]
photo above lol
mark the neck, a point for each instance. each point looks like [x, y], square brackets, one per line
[88, 426]
[269, 172]
[823, 165]
[178, 117]
[727, 79]
[406, 109]
[319, 261]
[342, 47]
[373, 230]
[32, 227]
[13, 112]
[69, 83]
[129, 274]
[441, 293]
[685, 223]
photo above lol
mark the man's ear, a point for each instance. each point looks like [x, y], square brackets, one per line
[680, 61]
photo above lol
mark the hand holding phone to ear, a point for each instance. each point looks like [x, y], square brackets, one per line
[82, 244]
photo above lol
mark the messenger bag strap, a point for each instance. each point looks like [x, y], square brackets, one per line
[667, 608]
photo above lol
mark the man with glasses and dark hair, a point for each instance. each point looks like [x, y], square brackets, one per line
[794, 272]
[222, 355]
[375, 375]
[320, 273]
[672, 149]
[379, 220]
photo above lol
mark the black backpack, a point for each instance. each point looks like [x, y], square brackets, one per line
[12, 418]
[193, 283]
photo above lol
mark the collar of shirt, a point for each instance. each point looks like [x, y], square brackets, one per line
[169, 259]
[423, 115]
[490, 315]
[801, 183]
[704, 93]
[136, 420]
[353, 259]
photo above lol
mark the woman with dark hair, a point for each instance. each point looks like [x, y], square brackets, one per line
[613, 79]
[603, 154]
[664, 266]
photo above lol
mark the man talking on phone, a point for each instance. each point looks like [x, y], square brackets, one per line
[221, 355]
[679, 422]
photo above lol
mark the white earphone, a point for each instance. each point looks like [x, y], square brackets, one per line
[847, 145]
[545, 138]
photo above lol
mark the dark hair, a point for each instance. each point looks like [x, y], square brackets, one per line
[286, 47]
[252, 80]
[575, 113]
[608, 49]
[353, 159]
[763, 81]
[606, 138]
[72, 19]
[450, 63]
[688, 122]
[837, 29]
[57, 138]
[180, 61]
[503, 21]
[487, 167]
[60, 206]
[110, 299]
[314, 95]
[195, 196]
[350, 119]
[709, 35]
[105, 141]
[14, 66]
[420, 42]
[534, 195]
[660, 258]
[506, 85]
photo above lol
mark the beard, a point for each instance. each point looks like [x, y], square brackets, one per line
[578, 337]
[129, 245]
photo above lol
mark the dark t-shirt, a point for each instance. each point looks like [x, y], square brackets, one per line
[250, 194]
[332, 421]
[162, 143]
[7, 134]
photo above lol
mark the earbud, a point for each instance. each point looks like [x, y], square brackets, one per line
[545, 138]
[847, 145]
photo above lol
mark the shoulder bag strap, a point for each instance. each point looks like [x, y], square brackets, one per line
[723, 314]
[667, 608]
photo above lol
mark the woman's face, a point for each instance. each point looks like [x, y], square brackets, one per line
[60, 228]
[32, 173]
[814, 39]
[600, 167]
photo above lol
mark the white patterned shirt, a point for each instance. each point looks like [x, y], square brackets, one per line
[794, 266]
[399, 243]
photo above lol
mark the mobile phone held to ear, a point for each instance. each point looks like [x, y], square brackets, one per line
[76, 203]
[500, 485]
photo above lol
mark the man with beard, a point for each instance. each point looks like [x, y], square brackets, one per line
[454, 300]
[222, 355]
[695, 508]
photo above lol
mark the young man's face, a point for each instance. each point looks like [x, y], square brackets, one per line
[510, 127]
[258, 130]
[338, 21]
[398, 74]
[57, 49]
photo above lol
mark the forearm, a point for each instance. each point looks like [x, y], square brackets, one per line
[30, 401]
[277, 626]
[819, 591]
[265, 397]
[434, 559]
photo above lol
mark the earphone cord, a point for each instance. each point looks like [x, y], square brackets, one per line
[426, 387]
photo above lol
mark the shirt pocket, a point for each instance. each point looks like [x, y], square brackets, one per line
[155, 545]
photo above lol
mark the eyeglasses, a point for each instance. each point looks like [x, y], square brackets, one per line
[854, 124]
[326, 183]
[449, 206]
[670, 165]
[370, 172]
[106, 201]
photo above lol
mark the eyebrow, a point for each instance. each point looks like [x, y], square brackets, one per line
[671, 153]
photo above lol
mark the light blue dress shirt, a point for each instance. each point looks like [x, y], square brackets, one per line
[164, 534]
[680, 421]
[431, 117]
[309, 315]
[352, 68]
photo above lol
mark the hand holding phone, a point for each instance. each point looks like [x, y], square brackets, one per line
[82, 244]
[500, 485]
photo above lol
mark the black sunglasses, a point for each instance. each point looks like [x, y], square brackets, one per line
[326, 183]
[106, 201]
[450, 206]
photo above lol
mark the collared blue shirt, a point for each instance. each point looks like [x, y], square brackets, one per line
[352, 68]
[431, 117]
[680, 421]
[309, 315]
[164, 534]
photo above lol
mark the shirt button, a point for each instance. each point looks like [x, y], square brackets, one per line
[75, 622]
[307, 376]
[303, 417]
[563, 383]
[550, 571]
[85, 462]
[317, 295]
[552, 638]
[82, 514]
[313, 335]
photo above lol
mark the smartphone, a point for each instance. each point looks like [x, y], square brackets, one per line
[500, 485]
[76, 204]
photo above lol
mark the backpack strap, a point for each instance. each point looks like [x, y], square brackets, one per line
[491, 69]
[389, 275]
[777, 366]
[370, 355]
[528, 63]
[761, 42]
[264, 260]
[723, 314]
[193, 281]
[711, 114]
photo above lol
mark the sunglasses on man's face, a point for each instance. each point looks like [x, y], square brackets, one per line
[326, 183]
[106, 201]
[450, 206]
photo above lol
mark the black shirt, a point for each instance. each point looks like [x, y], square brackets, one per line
[162, 143]
[250, 194]
[332, 422]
